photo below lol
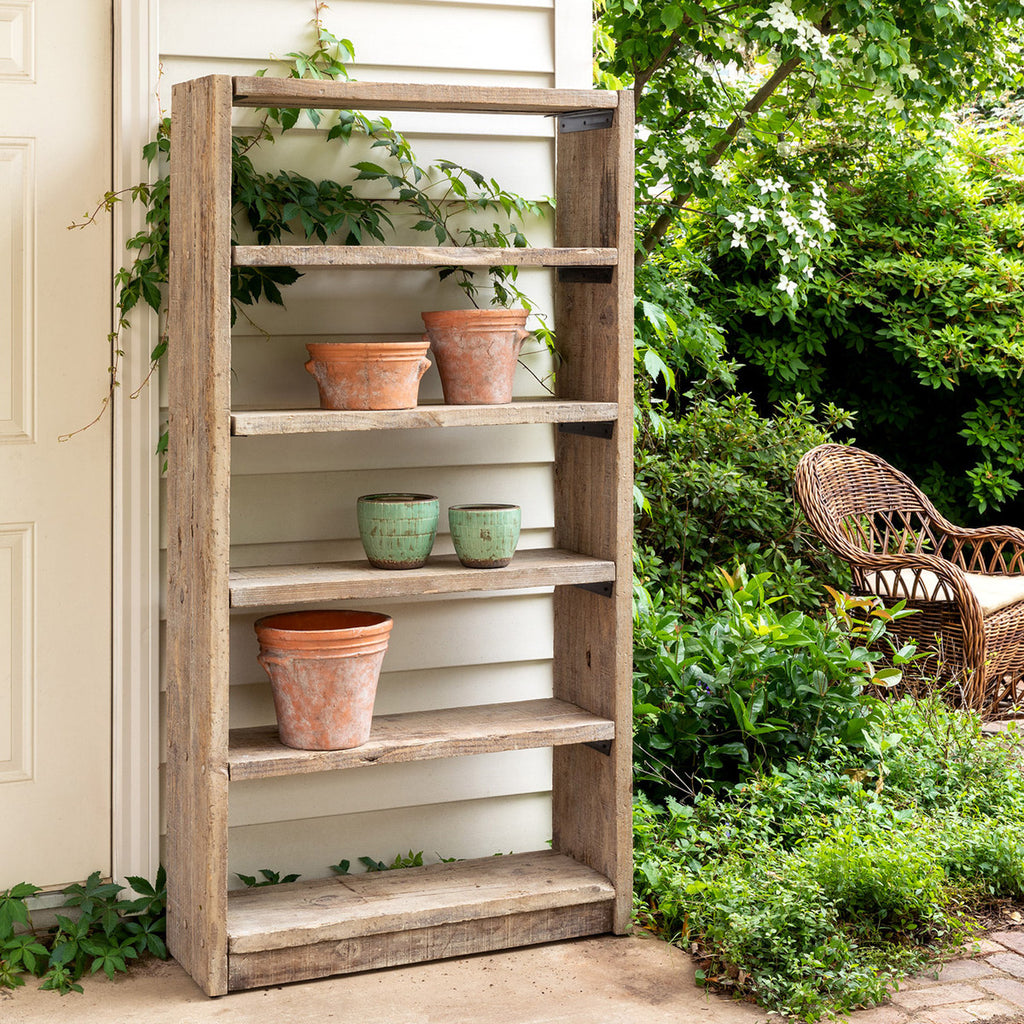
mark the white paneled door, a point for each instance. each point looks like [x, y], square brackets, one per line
[55, 504]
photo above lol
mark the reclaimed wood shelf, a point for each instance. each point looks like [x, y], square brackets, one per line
[443, 574]
[583, 885]
[411, 257]
[290, 92]
[257, 753]
[256, 422]
[353, 922]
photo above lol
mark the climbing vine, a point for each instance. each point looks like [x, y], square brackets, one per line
[445, 200]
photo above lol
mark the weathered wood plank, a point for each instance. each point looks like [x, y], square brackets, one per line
[375, 903]
[322, 959]
[405, 257]
[593, 514]
[199, 368]
[443, 574]
[256, 422]
[290, 92]
[423, 735]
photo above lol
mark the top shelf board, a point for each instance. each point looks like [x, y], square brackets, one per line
[408, 257]
[294, 92]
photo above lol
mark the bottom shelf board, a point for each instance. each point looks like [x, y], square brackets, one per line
[447, 896]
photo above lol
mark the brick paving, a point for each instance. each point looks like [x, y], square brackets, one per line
[985, 983]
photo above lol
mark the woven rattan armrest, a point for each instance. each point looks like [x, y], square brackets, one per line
[996, 550]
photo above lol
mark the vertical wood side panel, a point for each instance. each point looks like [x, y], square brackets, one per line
[198, 529]
[593, 503]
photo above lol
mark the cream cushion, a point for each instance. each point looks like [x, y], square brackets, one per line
[992, 592]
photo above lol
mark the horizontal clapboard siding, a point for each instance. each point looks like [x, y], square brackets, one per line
[293, 498]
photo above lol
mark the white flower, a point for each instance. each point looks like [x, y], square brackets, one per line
[738, 241]
[738, 220]
[786, 257]
[756, 215]
[809, 271]
[786, 285]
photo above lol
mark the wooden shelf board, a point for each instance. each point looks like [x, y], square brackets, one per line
[378, 903]
[443, 574]
[424, 735]
[253, 422]
[406, 257]
[290, 92]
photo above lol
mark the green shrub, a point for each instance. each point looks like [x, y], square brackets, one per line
[716, 489]
[917, 302]
[815, 885]
[745, 686]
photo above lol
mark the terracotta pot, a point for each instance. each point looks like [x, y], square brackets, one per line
[323, 668]
[368, 374]
[476, 352]
[485, 536]
[397, 530]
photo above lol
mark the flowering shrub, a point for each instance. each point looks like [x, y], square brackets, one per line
[917, 299]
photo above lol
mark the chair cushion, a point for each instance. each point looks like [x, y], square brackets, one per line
[992, 592]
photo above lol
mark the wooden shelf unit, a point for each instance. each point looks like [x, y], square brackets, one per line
[583, 885]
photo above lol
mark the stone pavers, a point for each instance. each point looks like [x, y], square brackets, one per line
[986, 983]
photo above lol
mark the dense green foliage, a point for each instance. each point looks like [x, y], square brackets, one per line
[101, 932]
[916, 306]
[717, 492]
[816, 884]
[744, 686]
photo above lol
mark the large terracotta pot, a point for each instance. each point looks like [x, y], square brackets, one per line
[323, 668]
[368, 374]
[476, 352]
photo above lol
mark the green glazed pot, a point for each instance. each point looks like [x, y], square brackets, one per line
[397, 530]
[485, 536]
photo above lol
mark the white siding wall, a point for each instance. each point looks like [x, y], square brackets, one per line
[293, 498]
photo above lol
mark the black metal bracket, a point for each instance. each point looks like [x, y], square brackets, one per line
[585, 275]
[601, 746]
[585, 120]
[606, 588]
[601, 428]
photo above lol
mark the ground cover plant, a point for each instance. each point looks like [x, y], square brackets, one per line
[100, 930]
[809, 841]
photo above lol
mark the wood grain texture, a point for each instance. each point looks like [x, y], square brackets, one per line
[593, 514]
[255, 422]
[375, 903]
[406, 257]
[416, 945]
[422, 735]
[290, 92]
[443, 574]
[199, 385]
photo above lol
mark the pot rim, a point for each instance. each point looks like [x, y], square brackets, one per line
[457, 315]
[483, 507]
[397, 498]
[314, 624]
[362, 349]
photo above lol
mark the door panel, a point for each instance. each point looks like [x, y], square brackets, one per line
[55, 505]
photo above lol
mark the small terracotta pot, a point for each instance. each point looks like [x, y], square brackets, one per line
[476, 352]
[485, 536]
[323, 668]
[368, 374]
[397, 530]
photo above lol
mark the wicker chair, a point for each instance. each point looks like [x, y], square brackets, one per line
[966, 586]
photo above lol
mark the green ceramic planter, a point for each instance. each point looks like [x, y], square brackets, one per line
[397, 530]
[485, 536]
